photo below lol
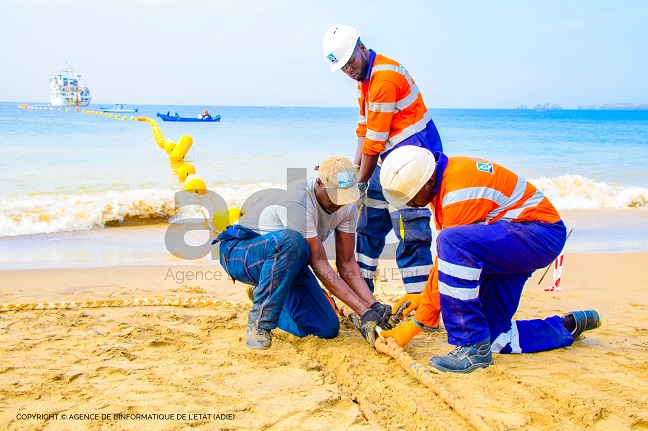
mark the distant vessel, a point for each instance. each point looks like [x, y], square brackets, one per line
[119, 107]
[67, 89]
[176, 117]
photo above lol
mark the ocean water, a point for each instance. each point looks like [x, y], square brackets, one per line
[69, 171]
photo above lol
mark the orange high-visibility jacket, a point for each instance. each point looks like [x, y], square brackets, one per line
[392, 111]
[471, 190]
[474, 190]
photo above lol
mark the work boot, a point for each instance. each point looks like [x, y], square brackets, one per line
[464, 359]
[258, 338]
[584, 320]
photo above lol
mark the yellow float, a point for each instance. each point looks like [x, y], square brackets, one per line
[194, 184]
[222, 219]
[180, 151]
[184, 171]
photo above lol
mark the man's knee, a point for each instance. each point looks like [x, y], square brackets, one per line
[449, 239]
[331, 328]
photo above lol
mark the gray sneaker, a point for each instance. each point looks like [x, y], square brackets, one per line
[585, 320]
[464, 359]
[258, 338]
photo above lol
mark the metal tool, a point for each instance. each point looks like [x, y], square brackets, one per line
[395, 318]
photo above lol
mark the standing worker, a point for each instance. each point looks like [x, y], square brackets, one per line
[392, 115]
[496, 229]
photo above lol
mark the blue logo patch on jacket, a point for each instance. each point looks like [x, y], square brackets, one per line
[485, 167]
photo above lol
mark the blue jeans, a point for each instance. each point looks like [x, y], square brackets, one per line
[287, 294]
[482, 271]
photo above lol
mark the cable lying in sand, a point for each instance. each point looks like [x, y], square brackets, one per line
[139, 302]
[421, 373]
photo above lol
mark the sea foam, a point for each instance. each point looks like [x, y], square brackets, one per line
[47, 213]
[577, 192]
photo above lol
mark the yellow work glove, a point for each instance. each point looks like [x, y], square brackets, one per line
[414, 299]
[403, 333]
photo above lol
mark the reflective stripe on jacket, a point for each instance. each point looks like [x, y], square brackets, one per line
[474, 190]
[392, 111]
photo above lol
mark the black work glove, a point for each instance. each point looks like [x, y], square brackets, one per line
[385, 312]
[370, 319]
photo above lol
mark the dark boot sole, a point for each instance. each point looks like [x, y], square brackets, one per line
[439, 369]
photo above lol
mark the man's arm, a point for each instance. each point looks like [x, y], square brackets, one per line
[347, 265]
[358, 155]
[379, 116]
[367, 167]
[331, 280]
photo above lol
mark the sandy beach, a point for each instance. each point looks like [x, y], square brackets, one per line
[174, 367]
[115, 313]
[167, 365]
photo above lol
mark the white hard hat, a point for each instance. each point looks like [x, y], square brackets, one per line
[338, 44]
[404, 173]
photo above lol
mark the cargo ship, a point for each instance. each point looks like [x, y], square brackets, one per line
[67, 89]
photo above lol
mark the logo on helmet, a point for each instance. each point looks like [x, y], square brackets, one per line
[332, 58]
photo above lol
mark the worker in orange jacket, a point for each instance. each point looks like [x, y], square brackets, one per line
[392, 114]
[496, 229]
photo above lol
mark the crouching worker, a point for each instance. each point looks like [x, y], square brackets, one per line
[496, 229]
[275, 242]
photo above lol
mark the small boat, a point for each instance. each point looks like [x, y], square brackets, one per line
[208, 118]
[118, 108]
[67, 89]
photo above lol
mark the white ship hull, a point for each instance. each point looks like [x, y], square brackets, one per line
[67, 89]
[70, 99]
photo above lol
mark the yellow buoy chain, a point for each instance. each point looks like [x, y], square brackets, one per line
[177, 152]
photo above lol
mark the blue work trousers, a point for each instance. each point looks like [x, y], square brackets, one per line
[482, 271]
[287, 294]
[412, 228]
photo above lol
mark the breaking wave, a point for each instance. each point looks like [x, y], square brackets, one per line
[47, 213]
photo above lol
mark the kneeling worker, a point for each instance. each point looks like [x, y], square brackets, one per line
[277, 239]
[496, 229]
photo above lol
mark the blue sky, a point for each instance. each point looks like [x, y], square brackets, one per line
[463, 54]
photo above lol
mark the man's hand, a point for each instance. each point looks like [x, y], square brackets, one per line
[385, 312]
[370, 319]
[363, 197]
[415, 300]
